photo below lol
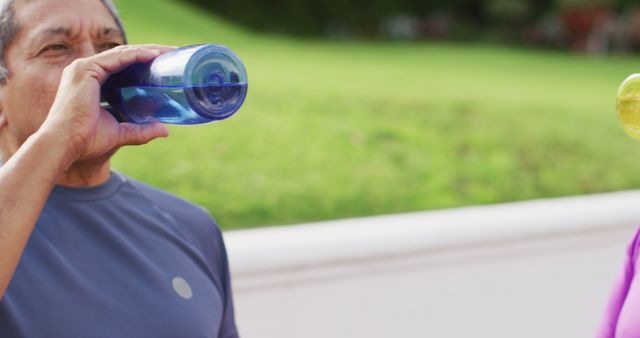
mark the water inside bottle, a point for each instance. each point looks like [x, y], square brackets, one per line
[181, 105]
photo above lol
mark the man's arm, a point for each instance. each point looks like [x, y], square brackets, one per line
[25, 182]
[76, 128]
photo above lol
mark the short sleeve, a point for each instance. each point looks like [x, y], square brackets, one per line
[228, 327]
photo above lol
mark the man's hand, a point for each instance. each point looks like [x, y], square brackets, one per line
[76, 117]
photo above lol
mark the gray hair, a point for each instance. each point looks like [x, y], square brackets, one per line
[9, 28]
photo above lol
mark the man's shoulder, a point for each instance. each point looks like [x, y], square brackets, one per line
[163, 198]
[186, 214]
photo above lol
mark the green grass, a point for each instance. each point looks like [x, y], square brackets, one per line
[341, 129]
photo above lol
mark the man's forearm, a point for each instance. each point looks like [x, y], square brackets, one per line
[26, 180]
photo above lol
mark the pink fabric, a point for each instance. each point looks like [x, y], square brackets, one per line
[622, 314]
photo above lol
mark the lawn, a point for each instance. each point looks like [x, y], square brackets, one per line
[342, 129]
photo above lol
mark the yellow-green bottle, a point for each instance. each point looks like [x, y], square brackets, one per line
[628, 105]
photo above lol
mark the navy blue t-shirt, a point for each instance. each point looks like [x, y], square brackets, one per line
[120, 260]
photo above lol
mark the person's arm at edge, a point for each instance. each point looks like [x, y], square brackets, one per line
[609, 321]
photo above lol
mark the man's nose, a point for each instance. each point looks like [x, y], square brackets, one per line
[87, 50]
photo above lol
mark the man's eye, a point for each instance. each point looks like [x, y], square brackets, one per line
[107, 46]
[57, 47]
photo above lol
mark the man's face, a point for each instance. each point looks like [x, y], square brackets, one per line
[52, 34]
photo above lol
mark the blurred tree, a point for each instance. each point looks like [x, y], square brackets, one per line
[513, 20]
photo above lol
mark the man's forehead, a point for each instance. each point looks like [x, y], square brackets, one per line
[46, 17]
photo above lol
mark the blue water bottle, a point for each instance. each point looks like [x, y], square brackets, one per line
[190, 85]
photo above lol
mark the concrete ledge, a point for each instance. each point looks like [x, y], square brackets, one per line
[273, 250]
[436, 265]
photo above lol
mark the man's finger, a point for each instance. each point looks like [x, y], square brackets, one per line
[118, 58]
[137, 134]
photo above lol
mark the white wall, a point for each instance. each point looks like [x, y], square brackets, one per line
[532, 269]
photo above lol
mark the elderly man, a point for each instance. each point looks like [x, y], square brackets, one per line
[84, 251]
